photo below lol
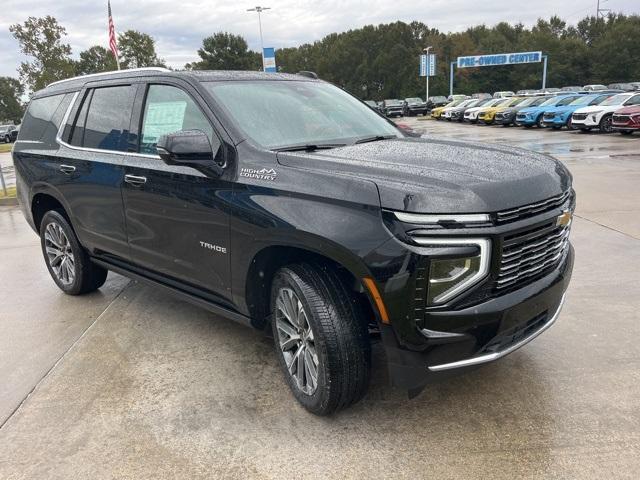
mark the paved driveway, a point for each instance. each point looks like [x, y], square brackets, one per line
[131, 383]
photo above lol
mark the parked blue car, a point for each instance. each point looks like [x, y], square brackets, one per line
[528, 117]
[560, 115]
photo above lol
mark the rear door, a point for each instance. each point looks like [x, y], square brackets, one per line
[177, 219]
[91, 166]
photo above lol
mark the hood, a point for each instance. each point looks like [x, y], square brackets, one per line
[431, 175]
[598, 108]
[634, 109]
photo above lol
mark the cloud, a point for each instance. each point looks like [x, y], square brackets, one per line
[178, 27]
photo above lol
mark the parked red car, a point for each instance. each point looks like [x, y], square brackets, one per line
[626, 120]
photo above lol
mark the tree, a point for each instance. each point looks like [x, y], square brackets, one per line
[225, 51]
[94, 60]
[138, 50]
[41, 38]
[11, 108]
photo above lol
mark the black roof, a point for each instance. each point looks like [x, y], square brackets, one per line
[77, 83]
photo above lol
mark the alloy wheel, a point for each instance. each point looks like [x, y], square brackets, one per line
[606, 124]
[296, 341]
[60, 254]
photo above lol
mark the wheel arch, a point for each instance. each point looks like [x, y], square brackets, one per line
[267, 261]
[44, 199]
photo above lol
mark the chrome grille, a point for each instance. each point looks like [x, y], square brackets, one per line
[529, 254]
[621, 118]
[549, 116]
[533, 208]
[579, 116]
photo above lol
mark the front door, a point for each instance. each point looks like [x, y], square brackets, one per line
[177, 224]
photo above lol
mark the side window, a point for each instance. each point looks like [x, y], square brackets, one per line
[108, 118]
[635, 100]
[77, 131]
[169, 109]
[43, 118]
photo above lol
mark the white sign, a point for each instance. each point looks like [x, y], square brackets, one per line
[428, 65]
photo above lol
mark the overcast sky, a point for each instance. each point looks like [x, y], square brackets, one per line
[179, 26]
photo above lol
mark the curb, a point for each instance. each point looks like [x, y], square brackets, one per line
[9, 201]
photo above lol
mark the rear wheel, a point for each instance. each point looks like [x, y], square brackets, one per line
[321, 338]
[67, 262]
[605, 124]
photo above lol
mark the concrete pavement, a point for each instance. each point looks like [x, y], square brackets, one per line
[141, 385]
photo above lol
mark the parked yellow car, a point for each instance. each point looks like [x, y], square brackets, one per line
[437, 112]
[488, 115]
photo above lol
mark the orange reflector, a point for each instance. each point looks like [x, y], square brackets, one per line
[371, 285]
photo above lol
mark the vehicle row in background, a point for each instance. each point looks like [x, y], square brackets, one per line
[604, 110]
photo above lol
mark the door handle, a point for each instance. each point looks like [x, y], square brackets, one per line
[135, 180]
[67, 169]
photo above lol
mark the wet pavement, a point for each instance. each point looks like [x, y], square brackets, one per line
[131, 383]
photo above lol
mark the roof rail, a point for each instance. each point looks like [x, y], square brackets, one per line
[113, 72]
[306, 73]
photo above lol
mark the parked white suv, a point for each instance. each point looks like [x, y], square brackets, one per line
[599, 116]
[471, 114]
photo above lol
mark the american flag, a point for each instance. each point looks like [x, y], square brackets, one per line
[113, 45]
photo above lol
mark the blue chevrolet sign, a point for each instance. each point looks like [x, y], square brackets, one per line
[499, 59]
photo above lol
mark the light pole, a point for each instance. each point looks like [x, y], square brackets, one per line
[426, 52]
[259, 10]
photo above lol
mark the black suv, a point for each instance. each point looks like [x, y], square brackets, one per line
[284, 203]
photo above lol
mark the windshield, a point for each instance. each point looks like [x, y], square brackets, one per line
[393, 102]
[283, 113]
[530, 101]
[4, 129]
[615, 100]
[551, 101]
[585, 100]
[565, 101]
[414, 100]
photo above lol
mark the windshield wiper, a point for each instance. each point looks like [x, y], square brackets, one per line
[309, 147]
[375, 138]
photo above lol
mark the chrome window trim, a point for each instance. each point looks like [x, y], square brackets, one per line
[485, 253]
[420, 218]
[113, 72]
[490, 357]
[94, 150]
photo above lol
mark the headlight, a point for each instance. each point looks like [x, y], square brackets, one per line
[457, 272]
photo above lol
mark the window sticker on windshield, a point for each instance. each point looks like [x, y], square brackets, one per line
[162, 118]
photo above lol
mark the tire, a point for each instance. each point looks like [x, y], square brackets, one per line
[75, 274]
[605, 124]
[334, 335]
[539, 122]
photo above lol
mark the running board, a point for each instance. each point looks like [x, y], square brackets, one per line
[183, 295]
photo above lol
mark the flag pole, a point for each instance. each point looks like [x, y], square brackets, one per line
[113, 45]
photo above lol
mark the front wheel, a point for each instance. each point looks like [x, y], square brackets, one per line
[321, 338]
[605, 124]
[539, 122]
[67, 262]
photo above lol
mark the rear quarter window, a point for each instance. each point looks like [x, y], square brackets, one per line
[43, 118]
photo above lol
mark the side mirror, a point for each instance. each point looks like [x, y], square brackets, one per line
[189, 148]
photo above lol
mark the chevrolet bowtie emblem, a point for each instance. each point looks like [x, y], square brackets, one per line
[564, 219]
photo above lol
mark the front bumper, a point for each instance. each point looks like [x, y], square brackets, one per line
[556, 121]
[495, 328]
[589, 121]
[504, 119]
[522, 120]
[394, 112]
